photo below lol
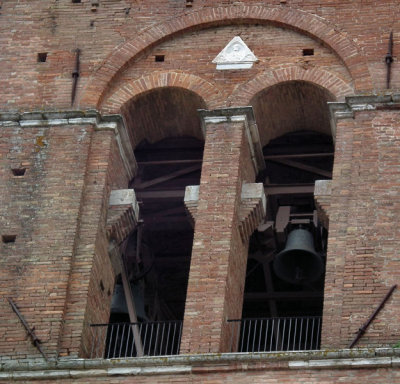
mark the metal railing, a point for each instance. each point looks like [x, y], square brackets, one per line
[116, 340]
[275, 334]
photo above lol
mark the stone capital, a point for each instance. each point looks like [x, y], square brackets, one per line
[237, 114]
[113, 123]
[352, 104]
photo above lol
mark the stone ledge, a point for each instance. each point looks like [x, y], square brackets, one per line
[346, 110]
[114, 123]
[123, 214]
[186, 364]
[322, 197]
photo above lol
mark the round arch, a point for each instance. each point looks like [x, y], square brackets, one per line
[291, 106]
[301, 21]
[327, 80]
[208, 91]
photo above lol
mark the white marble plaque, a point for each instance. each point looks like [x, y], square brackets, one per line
[236, 55]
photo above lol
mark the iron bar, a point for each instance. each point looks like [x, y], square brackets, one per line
[277, 334]
[30, 331]
[363, 329]
[157, 338]
[389, 60]
[75, 75]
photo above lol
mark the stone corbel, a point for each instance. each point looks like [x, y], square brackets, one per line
[322, 197]
[252, 209]
[123, 214]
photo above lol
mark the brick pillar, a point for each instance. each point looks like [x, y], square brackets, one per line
[219, 256]
[55, 269]
[364, 225]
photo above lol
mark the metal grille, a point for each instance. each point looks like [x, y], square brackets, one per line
[275, 334]
[116, 340]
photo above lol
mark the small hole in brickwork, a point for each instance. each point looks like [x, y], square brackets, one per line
[8, 238]
[76, 1]
[101, 285]
[42, 57]
[108, 293]
[308, 52]
[189, 3]
[18, 171]
[159, 58]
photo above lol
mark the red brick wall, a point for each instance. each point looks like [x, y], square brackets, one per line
[42, 208]
[363, 261]
[91, 282]
[58, 211]
[30, 27]
[218, 264]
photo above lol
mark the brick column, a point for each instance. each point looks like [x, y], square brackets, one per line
[55, 269]
[364, 225]
[219, 255]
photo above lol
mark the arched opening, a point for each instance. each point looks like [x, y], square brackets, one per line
[165, 131]
[285, 271]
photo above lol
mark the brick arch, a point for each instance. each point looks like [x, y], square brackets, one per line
[208, 91]
[335, 85]
[301, 21]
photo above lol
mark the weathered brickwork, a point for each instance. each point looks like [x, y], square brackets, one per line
[57, 210]
[56, 179]
[216, 279]
[91, 281]
[60, 27]
[362, 262]
[42, 208]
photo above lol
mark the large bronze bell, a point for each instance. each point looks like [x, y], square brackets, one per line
[299, 262]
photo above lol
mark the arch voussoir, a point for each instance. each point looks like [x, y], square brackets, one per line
[331, 82]
[208, 91]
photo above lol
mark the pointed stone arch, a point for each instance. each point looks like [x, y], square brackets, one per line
[301, 21]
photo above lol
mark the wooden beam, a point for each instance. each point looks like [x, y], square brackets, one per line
[269, 190]
[167, 212]
[303, 167]
[168, 162]
[167, 194]
[169, 176]
[288, 189]
[298, 156]
[295, 295]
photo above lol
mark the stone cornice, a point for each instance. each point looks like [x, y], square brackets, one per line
[114, 123]
[64, 368]
[352, 104]
[236, 114]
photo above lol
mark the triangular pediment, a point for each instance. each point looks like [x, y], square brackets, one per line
[236, 55]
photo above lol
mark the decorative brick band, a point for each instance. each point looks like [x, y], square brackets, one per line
[252, 209]
[52, 119]
[334, 84]
[299, 20]
[208, 91]
[123, 213]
